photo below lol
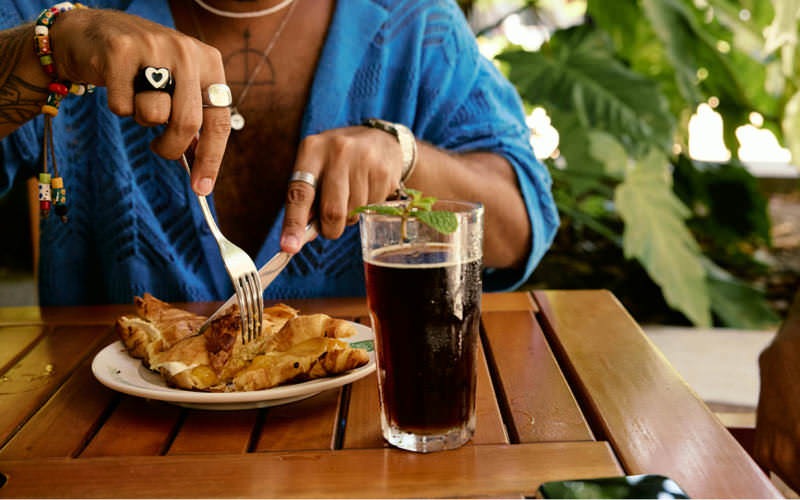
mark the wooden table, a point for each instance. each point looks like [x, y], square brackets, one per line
[569, 387]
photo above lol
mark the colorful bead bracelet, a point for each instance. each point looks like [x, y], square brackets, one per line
[57, 90]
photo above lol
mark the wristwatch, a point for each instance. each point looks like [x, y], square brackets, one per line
[404, 136]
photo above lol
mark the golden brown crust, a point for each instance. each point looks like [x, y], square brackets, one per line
[292, 347]
[175, 324]
[157, 327]
[311, 359]
[302, 328]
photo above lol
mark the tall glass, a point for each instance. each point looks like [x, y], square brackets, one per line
[424, 297]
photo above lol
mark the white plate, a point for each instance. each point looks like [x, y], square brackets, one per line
[117, 370]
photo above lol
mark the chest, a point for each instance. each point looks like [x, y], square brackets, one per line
[270, 65]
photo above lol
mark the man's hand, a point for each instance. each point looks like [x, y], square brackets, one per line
[109, 48]
[353, 166]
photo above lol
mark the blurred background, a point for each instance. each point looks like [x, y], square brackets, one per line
[670, 129]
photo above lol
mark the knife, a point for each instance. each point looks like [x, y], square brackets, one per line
[268, 272]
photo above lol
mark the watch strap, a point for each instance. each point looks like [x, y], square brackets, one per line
[406, 139]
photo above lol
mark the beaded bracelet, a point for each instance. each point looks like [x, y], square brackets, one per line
[57, 90]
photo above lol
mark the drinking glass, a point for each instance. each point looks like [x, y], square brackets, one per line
[424, 298]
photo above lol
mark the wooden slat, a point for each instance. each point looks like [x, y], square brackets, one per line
[541, 404]
[308, 424]
[653, 420]
[509, 301]
[489, 425]
[486, 471]
[30, 382]
[67, 420]
[363, 419]
[210, 431]
[363, 416]
[135, 428]
[20, 315]
[14, 340]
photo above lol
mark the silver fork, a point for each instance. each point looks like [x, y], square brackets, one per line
[241, 269]
[268, 272]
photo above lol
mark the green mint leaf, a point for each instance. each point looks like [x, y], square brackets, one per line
[379, 209]
[425, 203]
[444, 222]
[413, 194]
[417, 206]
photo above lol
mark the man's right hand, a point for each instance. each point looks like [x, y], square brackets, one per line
[108, 48]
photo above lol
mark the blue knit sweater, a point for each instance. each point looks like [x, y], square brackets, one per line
[134, 225]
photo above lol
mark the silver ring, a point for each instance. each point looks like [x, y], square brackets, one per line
[307, 177]
[151, 78]
[217, 95]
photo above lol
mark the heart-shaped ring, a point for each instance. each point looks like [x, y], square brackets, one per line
[151, 78]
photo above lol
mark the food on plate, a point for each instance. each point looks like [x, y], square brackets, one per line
[290, 348]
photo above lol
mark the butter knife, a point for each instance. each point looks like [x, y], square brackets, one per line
[268, 272]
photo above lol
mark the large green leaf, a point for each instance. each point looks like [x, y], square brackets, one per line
[692, 47]
[576, 72]
[656, 234]
[584, 170]
[605, 149]
[737, 304]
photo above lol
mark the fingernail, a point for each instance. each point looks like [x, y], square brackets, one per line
[290, 243]
[204, 186]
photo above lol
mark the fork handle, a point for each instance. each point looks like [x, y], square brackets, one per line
[212, 224]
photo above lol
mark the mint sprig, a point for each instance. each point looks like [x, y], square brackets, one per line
[417, 206]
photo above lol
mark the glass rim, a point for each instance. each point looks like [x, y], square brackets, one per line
[463, 206]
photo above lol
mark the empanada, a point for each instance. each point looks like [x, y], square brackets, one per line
[291, 347]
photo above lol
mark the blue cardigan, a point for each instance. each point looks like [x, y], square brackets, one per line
[134, 225]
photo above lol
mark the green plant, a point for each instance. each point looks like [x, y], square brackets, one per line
[620, 89]
[415, 205]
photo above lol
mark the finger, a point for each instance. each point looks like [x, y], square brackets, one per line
[185, 119]
[151, 108]
[359, 196]
[333, 201]
[214, 120]
[210, 149]
[119, 88]
[299, 205]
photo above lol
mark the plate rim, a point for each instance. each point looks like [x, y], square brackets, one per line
[162, 392]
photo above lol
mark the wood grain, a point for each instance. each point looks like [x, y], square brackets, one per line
[482, 471]
[653, 420]
[581, 390]
[541, 405]
[309, 424]
[26, 385]
[69, 418]
[211, 431]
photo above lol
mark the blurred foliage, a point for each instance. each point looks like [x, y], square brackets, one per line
[620, 88]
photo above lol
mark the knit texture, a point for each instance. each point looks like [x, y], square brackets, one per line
[135, 226]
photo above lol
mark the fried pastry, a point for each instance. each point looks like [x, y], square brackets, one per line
[291, 347]
[156, 327]
[313, 358]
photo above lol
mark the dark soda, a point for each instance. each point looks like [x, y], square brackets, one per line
[425, 309]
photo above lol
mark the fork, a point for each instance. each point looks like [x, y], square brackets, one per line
[268, 272]
[242, 271]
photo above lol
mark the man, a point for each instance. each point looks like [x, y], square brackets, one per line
[305, 76]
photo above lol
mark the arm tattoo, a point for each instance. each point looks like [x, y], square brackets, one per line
[19, 100]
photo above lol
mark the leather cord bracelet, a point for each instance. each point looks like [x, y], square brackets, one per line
[406, 139]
